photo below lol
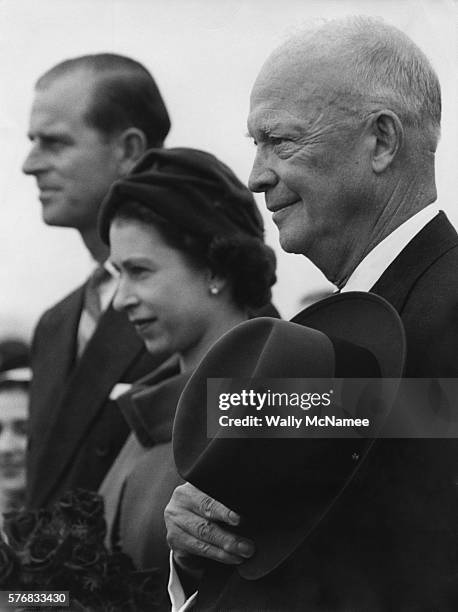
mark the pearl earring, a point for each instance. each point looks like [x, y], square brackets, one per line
[214, 290]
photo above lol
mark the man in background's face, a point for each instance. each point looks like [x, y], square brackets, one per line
[74, 164]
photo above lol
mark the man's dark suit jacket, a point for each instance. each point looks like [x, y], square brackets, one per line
[75, 430]
[390, 543]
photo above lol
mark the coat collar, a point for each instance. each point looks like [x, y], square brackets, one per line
[435, 239]
[149, 407]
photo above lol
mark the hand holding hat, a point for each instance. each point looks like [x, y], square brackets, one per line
[282, 487]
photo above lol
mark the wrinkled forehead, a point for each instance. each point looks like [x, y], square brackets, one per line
[292, 87]
[298, 71]
[280, 73]
[302, 83]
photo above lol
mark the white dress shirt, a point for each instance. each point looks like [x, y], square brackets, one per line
[176, 592]
[371, 268]
[106, 291]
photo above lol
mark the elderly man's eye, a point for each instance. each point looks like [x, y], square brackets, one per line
[282, 147]
[278, 141]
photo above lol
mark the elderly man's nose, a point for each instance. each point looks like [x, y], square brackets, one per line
[261, 176]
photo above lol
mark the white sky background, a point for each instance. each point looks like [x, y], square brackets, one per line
[204, 55]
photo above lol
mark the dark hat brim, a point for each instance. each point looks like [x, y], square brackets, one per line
[232, 470]
[364, 319]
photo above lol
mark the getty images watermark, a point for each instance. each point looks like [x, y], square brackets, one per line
[332, 408]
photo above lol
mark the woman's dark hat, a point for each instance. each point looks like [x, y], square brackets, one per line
[283, 487]
[191, 189]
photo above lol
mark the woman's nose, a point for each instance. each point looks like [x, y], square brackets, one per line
[124, 297]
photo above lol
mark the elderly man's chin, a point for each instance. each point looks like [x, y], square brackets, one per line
[292, 228]
[294, 239]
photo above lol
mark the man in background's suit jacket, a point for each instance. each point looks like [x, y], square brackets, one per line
[345, 156]
[76, 431]
[92, 119]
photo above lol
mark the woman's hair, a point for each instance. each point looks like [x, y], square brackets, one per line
[245, 261]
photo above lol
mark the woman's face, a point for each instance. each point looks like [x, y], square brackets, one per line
[13, 437]
[165, 297]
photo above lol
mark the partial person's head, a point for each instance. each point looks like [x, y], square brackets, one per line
[346, 120]
[92, 119]
[14, 398]
[187, 239]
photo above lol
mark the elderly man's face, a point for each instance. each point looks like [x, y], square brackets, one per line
[311, 159]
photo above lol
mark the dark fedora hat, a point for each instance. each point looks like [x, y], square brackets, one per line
[284, 487]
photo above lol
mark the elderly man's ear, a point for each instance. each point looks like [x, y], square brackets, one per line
[131, 145]
[388, 135]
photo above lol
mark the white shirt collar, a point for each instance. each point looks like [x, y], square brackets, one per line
[107, 288]
[371, 268]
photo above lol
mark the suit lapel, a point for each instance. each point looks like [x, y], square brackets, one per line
[435, 239]
[87, 390]
[53, 369]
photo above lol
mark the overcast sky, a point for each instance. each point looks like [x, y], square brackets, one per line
[205, 56]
